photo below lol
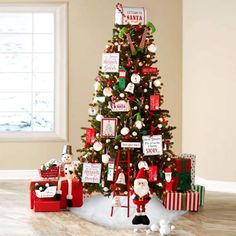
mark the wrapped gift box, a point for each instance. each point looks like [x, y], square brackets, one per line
[182, 201]
[201, 190]
[182, 176]
[46, 205]
[193, 164]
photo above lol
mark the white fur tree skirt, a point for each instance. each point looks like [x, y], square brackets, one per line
[97, 209]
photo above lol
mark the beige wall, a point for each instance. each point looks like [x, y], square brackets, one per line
[90, 26]
[209, 84]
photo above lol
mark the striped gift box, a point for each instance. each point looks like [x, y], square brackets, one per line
[173, 201]
[176, 201]
[201, 190]
[192, 201]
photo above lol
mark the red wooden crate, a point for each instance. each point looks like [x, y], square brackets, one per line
[46, 205]
[51, 173]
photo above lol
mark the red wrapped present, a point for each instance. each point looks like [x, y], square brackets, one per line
[182, 176]
[189, 201]
[50, 173]
[46, 205]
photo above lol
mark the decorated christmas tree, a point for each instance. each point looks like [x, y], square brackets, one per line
[129, 128]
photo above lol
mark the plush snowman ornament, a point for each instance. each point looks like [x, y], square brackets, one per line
[165, 228]
[68, 174]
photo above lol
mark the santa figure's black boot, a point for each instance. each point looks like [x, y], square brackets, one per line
[137, 220]
[145, 220]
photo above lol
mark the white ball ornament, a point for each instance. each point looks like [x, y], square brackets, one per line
[159, 126]
[134, 133]
[135, 108]
[107, 91]
[148, 56]
[116, 147]
[146, 107]
[91, 148]
[99, 117]
[157, 83]
[97, 135]
[152, 48]
[140, 63]
[145, 90]
[105, 189]
[105, 158]
[135, 78]
[97, 146]
[124, 131]
[108, 140]
[122, 95]
[143, 164]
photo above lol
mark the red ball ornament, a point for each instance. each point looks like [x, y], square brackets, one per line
[126, 137]
[110, 82]
[137, 27]
[131, 98]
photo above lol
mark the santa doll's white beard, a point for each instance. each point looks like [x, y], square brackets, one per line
[141, 190]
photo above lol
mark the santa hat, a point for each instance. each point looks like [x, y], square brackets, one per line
[168, 170]
[141, 174]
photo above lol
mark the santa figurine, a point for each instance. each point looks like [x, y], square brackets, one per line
[67, 173]
[169, 180]
[141, 196]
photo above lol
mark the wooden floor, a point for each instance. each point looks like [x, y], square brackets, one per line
[217, 218]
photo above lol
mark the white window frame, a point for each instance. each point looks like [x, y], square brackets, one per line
[60, 132]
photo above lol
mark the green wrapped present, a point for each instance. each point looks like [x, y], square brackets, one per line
[201, 190]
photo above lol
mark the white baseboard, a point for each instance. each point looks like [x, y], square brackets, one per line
[211, 185]
[217, 186]
[18, 174]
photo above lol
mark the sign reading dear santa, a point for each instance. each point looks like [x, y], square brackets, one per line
[91, 173]
[152, 145]
[110, 62]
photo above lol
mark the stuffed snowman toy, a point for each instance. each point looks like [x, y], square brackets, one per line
[164, 229]
[68, 174]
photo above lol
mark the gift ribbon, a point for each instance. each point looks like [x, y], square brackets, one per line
[184, 178]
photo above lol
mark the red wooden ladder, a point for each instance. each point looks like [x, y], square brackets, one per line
[126, 173]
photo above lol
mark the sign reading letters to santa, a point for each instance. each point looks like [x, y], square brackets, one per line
[91, 173]
[152, 145]
[110, 62]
